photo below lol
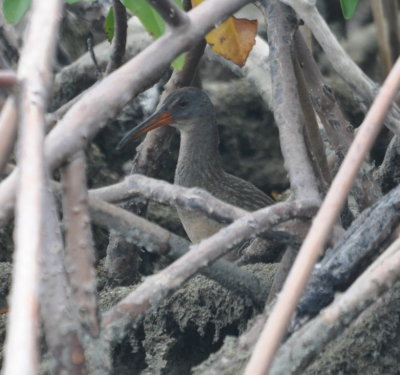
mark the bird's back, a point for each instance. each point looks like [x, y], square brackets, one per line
[230, 189]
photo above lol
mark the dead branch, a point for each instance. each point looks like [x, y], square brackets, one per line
[291, 123]
[158, 240]
[159, 286]
[164, 192]
[388, 173]
[79, 243]
[119, 41]
[8, 130]
[352, 253]
[312, 135]
[7, 78]
[383, 35]
[332, 321]
[320, 229]
[194, 199]
[364, 88]
[391, 10]
[56, 305]
[338, 129]
[34, 74]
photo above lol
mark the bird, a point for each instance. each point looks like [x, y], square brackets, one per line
[192, 113]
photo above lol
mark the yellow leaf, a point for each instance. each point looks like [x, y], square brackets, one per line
[233, 39]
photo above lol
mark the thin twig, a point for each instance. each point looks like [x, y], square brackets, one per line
[34, 73]
[275, 327]
[383, 35]
[391, 10]
[79, 243]
[314, 142]
[7, 78]
[119, 40]
[170, 12]
[89, 42]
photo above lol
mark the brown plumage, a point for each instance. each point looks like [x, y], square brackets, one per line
[199, 163]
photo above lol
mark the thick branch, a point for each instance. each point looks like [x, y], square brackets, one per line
[79, 243]
[57, 306]
[361, 242]
[158, 240]
[34, 73]
[290, 122]
[314, 336]
[157, 287]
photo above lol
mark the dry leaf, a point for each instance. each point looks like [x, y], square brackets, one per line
[233, 39]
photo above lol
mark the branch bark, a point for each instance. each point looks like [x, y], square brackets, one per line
[322, 225]
[79, 243]
[34, 73]
[364, 88]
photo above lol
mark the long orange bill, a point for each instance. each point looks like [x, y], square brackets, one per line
[154, 121]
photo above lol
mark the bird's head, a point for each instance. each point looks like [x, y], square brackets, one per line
[183, 109]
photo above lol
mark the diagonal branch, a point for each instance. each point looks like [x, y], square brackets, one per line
[275, 327]
[158, 240]
[159, 286]
[315, 335]
[362, 85]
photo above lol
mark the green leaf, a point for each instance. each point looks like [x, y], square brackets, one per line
[75, 1]
[109, 24]
[149, 18]
[349, 7]
[152, 22]
[13, 10]
[179, 62]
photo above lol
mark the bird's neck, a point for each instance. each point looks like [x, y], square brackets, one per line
[199, 159]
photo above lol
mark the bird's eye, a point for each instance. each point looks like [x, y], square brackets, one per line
[182, 103]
